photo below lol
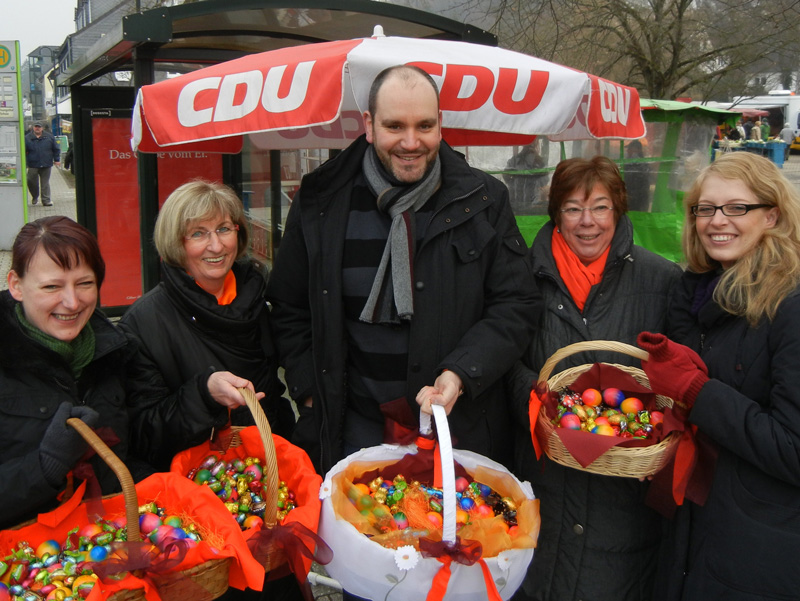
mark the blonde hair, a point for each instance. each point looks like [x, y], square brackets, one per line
[195, 201]
[760, 279]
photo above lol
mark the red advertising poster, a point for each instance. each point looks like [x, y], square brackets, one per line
[117, 210]
[117, 201]
[178, 167]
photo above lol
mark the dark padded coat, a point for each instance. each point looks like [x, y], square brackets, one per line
[598, 540]
[743, 544]
[34, 381]
[41, 152]
[185, 336]
[472, 295]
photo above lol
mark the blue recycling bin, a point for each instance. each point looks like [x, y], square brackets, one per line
[776, 152]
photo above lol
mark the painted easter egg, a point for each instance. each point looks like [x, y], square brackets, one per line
[149, 522]
[570, 421]
[48, 547]
[591, 397]
[631, 405]
[613, 397]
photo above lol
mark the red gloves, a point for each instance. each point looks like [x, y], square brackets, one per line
[674, 370]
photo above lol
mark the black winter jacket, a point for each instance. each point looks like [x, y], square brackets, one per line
[472, 299]
[598, 540]
[743, 544]
[34, 381]
[186, 336]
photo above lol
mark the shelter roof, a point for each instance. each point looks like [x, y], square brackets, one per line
[187, 36]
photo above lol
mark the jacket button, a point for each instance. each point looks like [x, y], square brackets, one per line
[471, 253]
[447, 220]
[419, 285]
[466, 210]
[42, 409]
[485, 198]
[577, 529]
[473, 368]
[560, 307]
[324, 292]
[415, 367]
[324, 371]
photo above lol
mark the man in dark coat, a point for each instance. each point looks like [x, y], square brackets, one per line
[423, 294]
[41, 153]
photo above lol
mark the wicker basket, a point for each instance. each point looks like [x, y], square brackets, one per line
[204, 582]
[626, 462]
[276, 556]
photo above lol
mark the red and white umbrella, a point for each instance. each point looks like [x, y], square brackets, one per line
[312, 96]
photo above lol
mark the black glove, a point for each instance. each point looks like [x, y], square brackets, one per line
[62, 446]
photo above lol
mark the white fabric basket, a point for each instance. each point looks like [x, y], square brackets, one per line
[370, 570]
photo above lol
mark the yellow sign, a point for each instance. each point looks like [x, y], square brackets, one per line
[5, 56]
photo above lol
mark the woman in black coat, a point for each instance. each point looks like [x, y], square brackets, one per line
[204, 328]
[59, 358]
[205, 331]
[593, 283]
[738, 308]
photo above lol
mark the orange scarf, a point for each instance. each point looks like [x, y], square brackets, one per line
[228, 289]
[578, 278]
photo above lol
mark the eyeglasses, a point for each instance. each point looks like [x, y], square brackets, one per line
[598, 212]
[204, 236]
[731, 210]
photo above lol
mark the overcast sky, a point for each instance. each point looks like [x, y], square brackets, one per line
[36, 23]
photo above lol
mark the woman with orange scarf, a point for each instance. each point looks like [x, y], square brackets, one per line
[598, 539]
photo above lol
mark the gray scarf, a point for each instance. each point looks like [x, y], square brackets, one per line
[400, 203]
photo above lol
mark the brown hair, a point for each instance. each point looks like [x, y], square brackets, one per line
[192, 202]
[582, 174]
[66, 242]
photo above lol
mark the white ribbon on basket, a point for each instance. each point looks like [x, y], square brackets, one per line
[448, 468]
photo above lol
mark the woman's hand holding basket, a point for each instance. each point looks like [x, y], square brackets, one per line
[673, 369]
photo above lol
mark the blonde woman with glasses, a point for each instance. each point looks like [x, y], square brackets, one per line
[205, 327]
[593, 284]
[737, 311]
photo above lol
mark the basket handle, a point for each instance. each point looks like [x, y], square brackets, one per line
[448, 468]
[270, 460]
[589, 345]
[119, 469]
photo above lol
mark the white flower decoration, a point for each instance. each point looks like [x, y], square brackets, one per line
[406, 557]
[505, 559]
[325, 490]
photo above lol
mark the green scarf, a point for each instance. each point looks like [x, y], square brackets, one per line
[77, 353]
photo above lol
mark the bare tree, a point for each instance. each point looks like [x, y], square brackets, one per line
[665, 48]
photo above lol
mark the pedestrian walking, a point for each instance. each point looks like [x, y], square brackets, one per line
[41, 153]
[787, 135]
